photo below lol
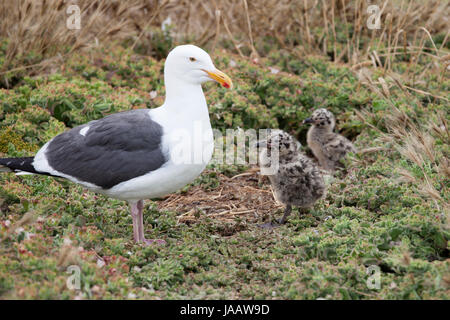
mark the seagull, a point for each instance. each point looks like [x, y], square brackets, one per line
[295, 179]
[139, 154]
[327, 146]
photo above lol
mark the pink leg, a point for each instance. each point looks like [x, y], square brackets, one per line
[138, 223]
[135, 213]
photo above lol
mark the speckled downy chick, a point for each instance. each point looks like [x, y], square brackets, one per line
[327, 146]
[295, 178]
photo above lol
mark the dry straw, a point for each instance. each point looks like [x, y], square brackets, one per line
[40, 26]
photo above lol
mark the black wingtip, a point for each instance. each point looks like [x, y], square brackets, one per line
[17, 164]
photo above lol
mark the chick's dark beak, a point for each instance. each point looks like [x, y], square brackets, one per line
[308, 120]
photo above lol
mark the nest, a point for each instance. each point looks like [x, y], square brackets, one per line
[245, 196]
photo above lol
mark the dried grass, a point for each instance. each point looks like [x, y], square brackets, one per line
[40, 27]
[68, 255]
[238, 197]
[415, 142]
[27, 219]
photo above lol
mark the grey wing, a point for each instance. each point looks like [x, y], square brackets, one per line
[114, 149]
[337, 147]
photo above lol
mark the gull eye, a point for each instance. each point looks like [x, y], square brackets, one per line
[192, 59]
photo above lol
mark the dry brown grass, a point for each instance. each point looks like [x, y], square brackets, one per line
[278, 18]
[239, 197]
[28, 218]
[416, 142]
[39, 27]
[312, 25]
[308, 25]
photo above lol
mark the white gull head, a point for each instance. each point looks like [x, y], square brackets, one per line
[192, 65]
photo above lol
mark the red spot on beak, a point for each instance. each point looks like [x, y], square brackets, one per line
[226, 85]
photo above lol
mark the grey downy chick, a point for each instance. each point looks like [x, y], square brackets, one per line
[327, 146]
[295, 179]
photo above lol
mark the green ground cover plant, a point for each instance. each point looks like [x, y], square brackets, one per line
[388, 211]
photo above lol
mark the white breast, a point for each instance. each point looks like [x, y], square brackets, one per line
[188, 145]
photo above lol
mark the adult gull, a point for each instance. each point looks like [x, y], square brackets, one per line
[139, 154]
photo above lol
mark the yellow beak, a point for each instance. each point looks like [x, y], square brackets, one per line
[220, 77]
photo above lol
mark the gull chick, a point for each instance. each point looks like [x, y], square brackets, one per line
[328, 147]
[295, 179]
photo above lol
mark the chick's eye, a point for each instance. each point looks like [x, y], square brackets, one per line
[192, 59]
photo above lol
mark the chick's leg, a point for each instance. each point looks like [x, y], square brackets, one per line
[287, 212]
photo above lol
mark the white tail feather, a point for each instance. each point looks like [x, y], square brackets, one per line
[23, 173]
